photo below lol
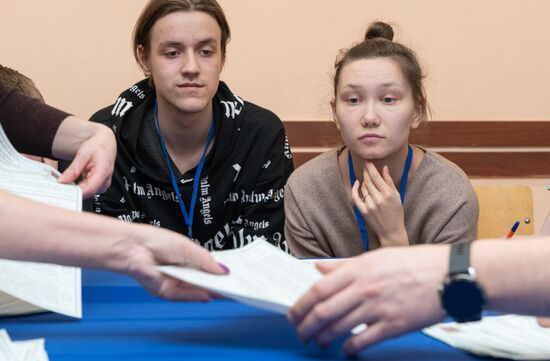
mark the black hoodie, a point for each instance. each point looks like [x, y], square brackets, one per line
[241, 189]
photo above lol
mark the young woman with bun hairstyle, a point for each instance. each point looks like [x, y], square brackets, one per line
[377, 190]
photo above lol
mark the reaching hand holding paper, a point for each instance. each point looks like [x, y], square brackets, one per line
[260, 275]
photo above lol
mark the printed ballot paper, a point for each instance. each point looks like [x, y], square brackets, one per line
[260, 275]
[32, 350]
[511, 337]
[30, 287]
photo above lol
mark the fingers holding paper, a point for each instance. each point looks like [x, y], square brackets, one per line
[364, 290]
[330, 309]
[379, 202]
[169, 248]
[172, 289]
[93, 150]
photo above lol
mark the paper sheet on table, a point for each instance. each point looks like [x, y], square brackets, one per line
[41, 188]
[260, 275]
[511, 336]
[12, 306]
[51, 287]
[11, 160]
[30, 287]
[32, 350]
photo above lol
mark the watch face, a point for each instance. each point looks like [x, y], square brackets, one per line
[462, 299]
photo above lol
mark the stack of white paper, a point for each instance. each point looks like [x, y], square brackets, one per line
[260, 275]
[511, 336]
[30, 287]
[32, 350]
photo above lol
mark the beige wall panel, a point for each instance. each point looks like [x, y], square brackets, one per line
[486, 59]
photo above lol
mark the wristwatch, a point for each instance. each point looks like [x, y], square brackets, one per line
[461, 296]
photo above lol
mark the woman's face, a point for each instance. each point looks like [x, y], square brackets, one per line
[374, 108]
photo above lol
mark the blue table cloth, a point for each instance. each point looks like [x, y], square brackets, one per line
[122, 322]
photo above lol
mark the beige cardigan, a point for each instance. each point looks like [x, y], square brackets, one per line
[440, 207]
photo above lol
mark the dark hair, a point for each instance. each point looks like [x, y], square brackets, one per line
[11, 78]
[379, 43]
[157, 9]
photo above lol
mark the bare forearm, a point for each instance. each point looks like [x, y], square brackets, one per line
[92, 148]
[514, 274]
[36, 232]
[71, 134]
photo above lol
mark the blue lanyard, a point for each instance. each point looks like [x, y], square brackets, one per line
[187, 216]
[402, 190]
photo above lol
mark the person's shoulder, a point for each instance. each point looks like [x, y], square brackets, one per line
[255, 116]
[103, 116]
[321, 169]
[439, 175]
[246, 113]
[138, 95]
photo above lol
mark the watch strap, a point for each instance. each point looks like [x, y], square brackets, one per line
[459, 261]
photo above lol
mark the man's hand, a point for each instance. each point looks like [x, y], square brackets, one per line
[392, 290]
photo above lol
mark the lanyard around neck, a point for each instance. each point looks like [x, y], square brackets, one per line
[402, 190]
[187, 215]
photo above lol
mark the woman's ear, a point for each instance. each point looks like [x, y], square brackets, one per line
[143, 60]
[418, 117]
[334, 117]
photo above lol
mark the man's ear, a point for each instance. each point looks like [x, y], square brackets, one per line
[143, 58]
[334, 117]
